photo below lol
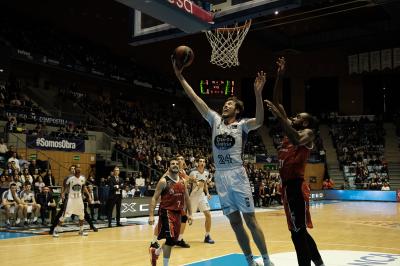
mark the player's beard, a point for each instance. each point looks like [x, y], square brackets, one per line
[174, 169]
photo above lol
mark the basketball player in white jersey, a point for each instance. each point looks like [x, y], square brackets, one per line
[229, 131]
[76, 187]
[199, 195]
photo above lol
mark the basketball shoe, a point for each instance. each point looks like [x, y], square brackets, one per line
[152, 251]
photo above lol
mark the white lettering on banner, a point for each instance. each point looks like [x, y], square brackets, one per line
[144, 207]
[131, 207]
[64, 144]
[183, 4]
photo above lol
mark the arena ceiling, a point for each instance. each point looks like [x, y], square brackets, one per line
[357, 24]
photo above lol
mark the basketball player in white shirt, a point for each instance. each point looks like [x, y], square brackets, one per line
[229, 131]
[74, 204]
[199, 195]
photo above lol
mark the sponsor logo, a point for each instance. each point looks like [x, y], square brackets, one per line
[224, 141]
[342, 258]
[61, 144]
[183, 4]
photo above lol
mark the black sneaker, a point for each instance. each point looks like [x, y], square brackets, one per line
[208, 240]
[183, 244]
[155, 245]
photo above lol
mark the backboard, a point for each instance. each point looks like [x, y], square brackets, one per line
[157, 20]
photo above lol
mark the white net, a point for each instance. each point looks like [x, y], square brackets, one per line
[225, 44]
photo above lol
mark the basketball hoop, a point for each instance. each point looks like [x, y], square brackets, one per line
[225, 44]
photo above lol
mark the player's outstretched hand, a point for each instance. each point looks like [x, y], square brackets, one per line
[260, 81]
[271, 107]
[281, 63]
[151, 220]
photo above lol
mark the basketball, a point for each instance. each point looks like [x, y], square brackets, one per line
[183, 56]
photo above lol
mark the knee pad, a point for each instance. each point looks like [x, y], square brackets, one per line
[184, 219]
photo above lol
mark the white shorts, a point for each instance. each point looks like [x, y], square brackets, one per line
[199, 201]
[234, 191]
[74, 206]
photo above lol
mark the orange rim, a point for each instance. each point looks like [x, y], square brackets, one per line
[245, 25]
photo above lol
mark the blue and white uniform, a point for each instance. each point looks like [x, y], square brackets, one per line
[198, 200]
[231, 179]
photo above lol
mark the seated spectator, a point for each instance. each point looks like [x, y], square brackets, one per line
[140, 183]
[385, 186]
[39, 184]
[12, 204]
[48, 205]
[14, 161]
[27, 197]
[3, 147]
[328, 184]
[26, 176]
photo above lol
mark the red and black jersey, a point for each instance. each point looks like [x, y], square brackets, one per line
[292, 160]
[173, 195]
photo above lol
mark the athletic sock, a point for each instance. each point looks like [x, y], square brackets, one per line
[158, 251]
[266, 260]
[166, 261]
[155, 240]
[180, 237]
[207, 234]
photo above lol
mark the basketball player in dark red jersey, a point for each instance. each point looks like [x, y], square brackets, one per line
[293, 154]
[174, 199]
[182, 174]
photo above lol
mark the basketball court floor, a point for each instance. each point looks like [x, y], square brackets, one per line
[347, 233]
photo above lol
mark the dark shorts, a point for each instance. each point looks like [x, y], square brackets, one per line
[169, 226]
[296, 201]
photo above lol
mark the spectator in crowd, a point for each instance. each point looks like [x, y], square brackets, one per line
[39, 184]
[49, 179]
[327, 184]
[33, 168]
[103, 192]
[14, 161]
[140, 183]
[3, 147]
[385, 187]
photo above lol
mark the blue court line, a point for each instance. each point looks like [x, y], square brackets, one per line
[225, 260]
[8, 235]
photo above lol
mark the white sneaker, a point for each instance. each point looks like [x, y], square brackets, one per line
[34, 219]
[83, 233]
[55, 233]
[17, 221]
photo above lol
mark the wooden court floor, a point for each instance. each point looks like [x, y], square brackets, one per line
[358, 226]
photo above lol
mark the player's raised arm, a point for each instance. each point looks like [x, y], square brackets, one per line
[159, 188]
[198, 102]
[259, 83]
[277, 93]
